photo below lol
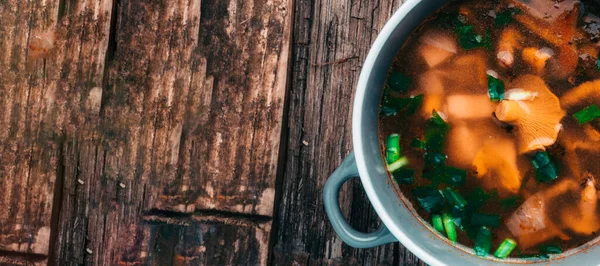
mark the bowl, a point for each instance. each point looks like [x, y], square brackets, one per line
[399, 221]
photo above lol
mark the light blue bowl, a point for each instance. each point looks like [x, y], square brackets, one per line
[366, 161]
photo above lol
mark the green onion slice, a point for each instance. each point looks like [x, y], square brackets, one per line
[545, 170]
[430, 199]
[438, 224]
[454, 199]
[404, 176]
[550, 249]
[397, 164]
[449, 227]
[505, 248]
[495, 89]
[392, 150]
[588, 114]
[483, 242]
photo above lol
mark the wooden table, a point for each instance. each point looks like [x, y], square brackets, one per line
[181, 132]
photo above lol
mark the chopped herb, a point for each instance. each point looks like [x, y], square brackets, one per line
[435, 133]
[477, 198]
[506, 17]
[505, 248]
[480, 219]
[435, 158]
[545, 170]
[433, 172]
[550, 249]
[460, 216]
[430, 199]
[495, 89]
[392, 105]
[414, 104]
[388, 111]
[483, 242]
[588, 114]
[449, 227]
[417, 143]
[598, 62]
[392, 150]
[455, 176]
[404, 176]
[436, 221]
[437, 119]
[398, 82]
[468, 39]
[453, 198]
[403, 161]
[511, 202]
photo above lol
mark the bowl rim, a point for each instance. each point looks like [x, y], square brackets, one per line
[357, 136]
[359, 149]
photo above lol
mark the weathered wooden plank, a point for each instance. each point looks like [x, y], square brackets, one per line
[189, 119]
[331, 40]
[208, 240]
[40, 101]
[20, 261]
[234, 142]
[26, 198]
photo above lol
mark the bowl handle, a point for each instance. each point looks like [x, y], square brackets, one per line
[331, 192]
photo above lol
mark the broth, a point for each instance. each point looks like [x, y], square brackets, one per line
[511, 89]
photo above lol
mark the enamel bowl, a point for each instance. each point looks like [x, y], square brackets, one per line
[395, 211]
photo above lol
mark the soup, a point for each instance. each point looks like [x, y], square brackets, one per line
[489, 125]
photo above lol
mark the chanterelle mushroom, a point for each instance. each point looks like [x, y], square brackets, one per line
[530, 222]
[588, 91]
[510, 40]
[496, 165]
[537, 120]
[584, 220]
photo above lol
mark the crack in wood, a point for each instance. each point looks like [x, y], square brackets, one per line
[57, 201]
[171, 217]
[31, 257]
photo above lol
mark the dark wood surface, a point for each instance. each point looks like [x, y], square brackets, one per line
[331, 41]
[181, 132]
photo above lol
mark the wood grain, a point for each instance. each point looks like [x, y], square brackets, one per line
[21, 261]
[189, 120]
[40, 101]
[331, 40]
[206, 240]
[151, 136]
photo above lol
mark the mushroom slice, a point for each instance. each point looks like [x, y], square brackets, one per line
[584, 219]
[565, 63]
[538, 120]
[537, 58]
[530, 222]
[547, 10]
[557, 26]
[436, 47]
[509, 41]
[496, 165]
[467, 73]
[586, 92]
